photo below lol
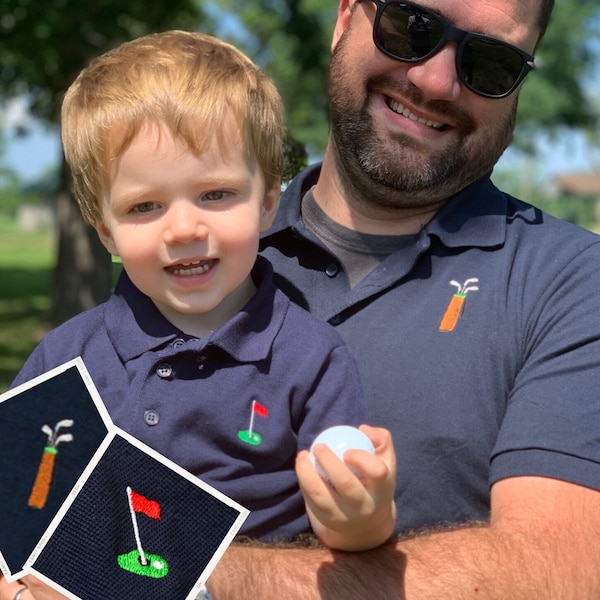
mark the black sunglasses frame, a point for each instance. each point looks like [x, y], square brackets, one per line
[451, 34]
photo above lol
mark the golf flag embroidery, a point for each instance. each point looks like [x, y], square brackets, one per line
[249, 436]
[45, 473]
[138, 561]
[456, 306]
[141, 504]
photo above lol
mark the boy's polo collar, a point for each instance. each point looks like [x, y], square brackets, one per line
[135, 326]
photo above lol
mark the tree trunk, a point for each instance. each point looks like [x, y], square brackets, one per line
[82, 275]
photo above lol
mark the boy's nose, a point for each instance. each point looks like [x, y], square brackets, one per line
[184, 225]
[436, 76]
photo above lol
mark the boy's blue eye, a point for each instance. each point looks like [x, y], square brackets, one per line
[144, 207]
[215, 196]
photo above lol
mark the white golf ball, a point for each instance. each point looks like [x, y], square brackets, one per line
[341, 438]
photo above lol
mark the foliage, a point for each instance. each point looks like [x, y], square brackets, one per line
[44, 45]
[290, 40]
[25, 266]
[555, 97]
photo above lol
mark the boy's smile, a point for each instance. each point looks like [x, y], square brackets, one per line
[186, 225]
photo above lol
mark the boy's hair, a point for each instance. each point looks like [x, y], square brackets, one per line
[189, 82]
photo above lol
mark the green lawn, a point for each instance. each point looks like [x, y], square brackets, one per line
[26, 262]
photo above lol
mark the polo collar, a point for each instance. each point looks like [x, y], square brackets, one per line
[475, 216]
[135, 326]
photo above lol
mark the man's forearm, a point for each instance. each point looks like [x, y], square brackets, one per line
[474, 562]
[282, 573]
[542, 543]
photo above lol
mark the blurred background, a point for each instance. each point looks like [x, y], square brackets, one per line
[51, 264]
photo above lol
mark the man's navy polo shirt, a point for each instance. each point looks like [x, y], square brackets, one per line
[478, 346]
[191, 399]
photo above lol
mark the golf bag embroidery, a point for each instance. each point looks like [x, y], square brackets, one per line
[45, 472]
[456, 306]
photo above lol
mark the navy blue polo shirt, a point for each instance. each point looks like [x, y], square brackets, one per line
[233, 407]
[478, 345]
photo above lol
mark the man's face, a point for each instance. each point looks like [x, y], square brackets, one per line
[409, 135]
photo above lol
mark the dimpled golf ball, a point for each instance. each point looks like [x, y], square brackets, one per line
[341, 438]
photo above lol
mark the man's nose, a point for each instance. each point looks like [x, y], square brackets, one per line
[436, 76]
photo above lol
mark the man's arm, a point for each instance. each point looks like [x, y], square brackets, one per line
[542, 542]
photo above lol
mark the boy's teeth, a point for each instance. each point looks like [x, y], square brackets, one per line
[193, 268]
[401, 110]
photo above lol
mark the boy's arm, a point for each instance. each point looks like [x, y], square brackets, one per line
[542, 542]
[355, 510]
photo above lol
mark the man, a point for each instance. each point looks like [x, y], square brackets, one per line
[474, 317]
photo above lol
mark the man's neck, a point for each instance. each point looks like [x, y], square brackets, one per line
[359, 214]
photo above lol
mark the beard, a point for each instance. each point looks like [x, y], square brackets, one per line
[394, 170]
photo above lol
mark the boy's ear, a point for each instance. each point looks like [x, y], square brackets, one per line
[343, 18]
[106, 238]
[270, 204]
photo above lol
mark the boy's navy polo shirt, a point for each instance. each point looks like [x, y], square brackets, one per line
[478, 346]
[191, 399]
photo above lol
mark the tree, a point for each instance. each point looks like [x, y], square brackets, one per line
[291, 40]
[43, 46]
[556, 96]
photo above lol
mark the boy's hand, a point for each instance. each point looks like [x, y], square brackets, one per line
[351, 512]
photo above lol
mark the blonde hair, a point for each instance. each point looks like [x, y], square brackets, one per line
[190, 82]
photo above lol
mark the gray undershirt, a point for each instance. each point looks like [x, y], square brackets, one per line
[359, 253]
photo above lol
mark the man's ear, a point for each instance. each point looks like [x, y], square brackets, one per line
[106, 238]
[270, 204]
[343, 18]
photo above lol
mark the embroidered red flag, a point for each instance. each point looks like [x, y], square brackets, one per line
[140, 503]
[259, 409]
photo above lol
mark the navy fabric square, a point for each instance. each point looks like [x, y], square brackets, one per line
[62, 399]
[181, 526]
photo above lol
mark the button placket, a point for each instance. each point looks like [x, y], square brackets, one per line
[151, 418]
[332, 270]
[178, 343]
[164, 371]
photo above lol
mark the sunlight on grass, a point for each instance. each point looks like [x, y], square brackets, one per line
[26, 261]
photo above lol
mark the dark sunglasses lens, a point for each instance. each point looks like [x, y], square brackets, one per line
[406, 33]
[490, 67]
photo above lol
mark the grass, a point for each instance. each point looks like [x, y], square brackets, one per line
[26, 263]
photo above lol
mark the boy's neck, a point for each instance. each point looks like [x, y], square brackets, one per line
[201, 324]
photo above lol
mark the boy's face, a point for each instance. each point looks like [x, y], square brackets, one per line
[186, 225]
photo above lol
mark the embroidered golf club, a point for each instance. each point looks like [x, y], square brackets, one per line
[45, 473]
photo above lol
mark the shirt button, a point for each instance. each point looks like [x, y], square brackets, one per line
[178, 343]
[151, 418]
[335, 320]
[332, 270]
[164, 371]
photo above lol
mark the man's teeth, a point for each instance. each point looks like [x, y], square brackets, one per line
[193, 269]
[401, 110]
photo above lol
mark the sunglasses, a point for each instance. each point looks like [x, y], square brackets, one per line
[487, 66]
